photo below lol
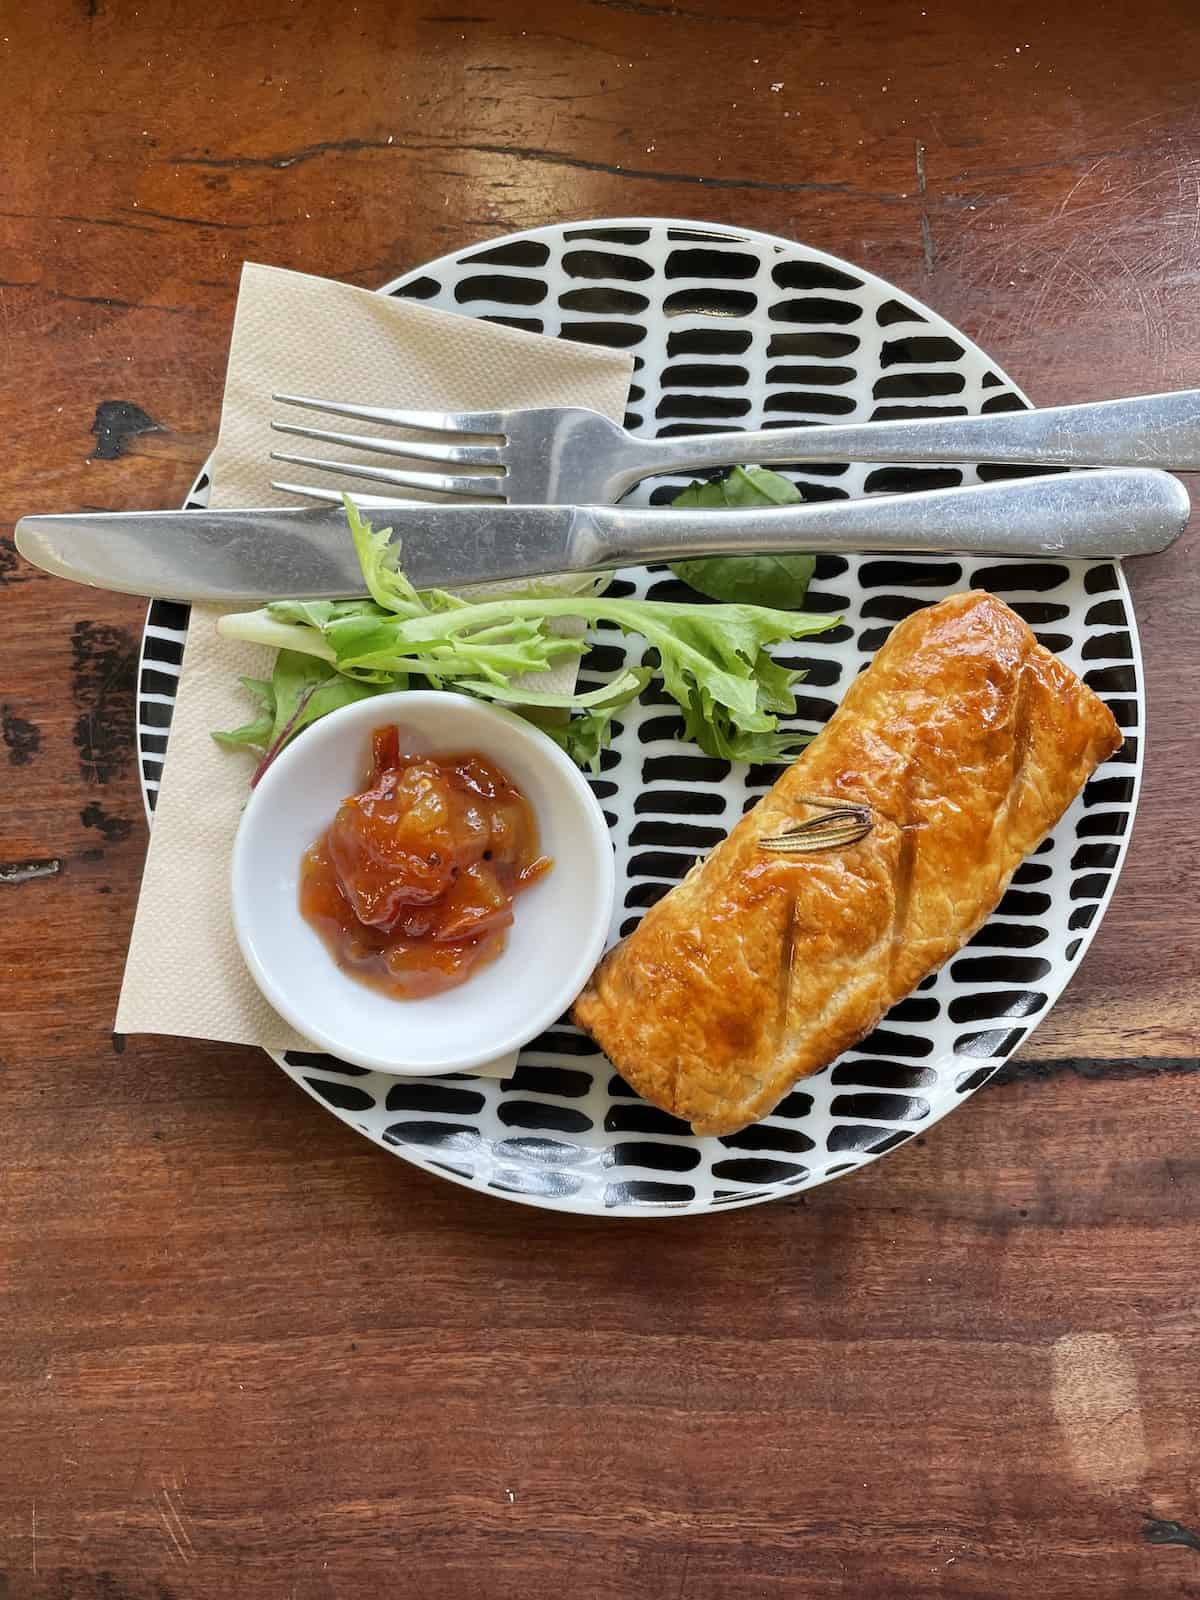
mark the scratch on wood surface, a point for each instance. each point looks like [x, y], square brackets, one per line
[927, 242]
[174, 1520]
[1153, 326]
[206, 222]
[926, 227]
[642, 9]
[512, 152]
[111, 304]
[33, 1535]
[289, 158]
[1080, 181]
[70, 216]
[1024, 168]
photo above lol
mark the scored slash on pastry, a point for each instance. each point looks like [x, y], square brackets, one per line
[841, 823]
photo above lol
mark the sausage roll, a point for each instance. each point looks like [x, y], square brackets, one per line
[949, 759]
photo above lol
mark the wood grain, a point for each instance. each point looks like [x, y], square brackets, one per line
[244, 1351]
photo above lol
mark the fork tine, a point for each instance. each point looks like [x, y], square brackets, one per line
[364, 502]
[470, 455]
[432, 421]
[442, 482]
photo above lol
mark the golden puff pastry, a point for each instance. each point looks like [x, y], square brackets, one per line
[968, 741]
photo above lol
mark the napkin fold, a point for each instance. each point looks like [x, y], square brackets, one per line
[296, 334]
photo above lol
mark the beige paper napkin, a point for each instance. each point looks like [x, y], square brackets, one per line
[184, 974]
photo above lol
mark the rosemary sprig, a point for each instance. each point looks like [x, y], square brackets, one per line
[840, 823]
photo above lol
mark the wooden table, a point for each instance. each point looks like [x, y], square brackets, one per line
[243, 1352]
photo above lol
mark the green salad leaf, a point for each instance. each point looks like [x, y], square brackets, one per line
[714, 660]
[585, 736]
[759, 580]
[301, 689]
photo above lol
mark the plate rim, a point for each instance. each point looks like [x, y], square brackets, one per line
[644, 1211]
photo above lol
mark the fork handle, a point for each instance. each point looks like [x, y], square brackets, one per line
[1150, 430]
[1087, 515]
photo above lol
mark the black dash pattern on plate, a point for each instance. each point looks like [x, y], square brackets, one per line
[344, 1096]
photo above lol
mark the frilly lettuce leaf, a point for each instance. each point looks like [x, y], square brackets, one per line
[301, 689]
[714, 660]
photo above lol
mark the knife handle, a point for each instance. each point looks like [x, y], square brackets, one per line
[1085, 515]
[1148, 430]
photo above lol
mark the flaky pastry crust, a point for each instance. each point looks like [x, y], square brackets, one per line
[968, 740]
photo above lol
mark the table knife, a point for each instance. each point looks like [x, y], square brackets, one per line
[279, 553]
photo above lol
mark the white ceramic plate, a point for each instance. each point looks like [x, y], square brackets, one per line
[736, 329]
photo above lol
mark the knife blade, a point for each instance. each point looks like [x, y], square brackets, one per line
[276, 553]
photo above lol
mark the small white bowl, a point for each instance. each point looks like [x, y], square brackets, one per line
[560, 922]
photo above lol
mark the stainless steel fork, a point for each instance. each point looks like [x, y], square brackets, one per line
[566, 455]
